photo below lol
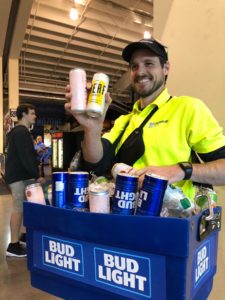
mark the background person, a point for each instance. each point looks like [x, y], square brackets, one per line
[42, 153]
[21, 170]
[179, 127]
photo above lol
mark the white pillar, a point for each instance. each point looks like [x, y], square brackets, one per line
[13, 82]
[194, 33]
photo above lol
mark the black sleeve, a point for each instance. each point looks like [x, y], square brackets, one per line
[103, 167]
[207, 157]
[214, 155]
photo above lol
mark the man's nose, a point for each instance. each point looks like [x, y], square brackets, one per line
[141, 69]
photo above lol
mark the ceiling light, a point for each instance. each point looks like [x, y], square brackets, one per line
[74, 14]
[147, 35]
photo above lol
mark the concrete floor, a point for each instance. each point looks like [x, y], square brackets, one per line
[14, 276]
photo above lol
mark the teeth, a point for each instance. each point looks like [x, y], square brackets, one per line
[143, 80]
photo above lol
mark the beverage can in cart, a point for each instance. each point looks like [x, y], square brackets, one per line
[78, 191]
[151, 195]
[96, 99]
[124, 200]
[78, 82]
[99, 201]
[59, 189]
[34, 193]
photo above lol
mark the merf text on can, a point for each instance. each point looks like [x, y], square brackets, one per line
[96, 99]
[78, 191]
[78, 89]
[124, 200]
[59, 189]
[151, 195]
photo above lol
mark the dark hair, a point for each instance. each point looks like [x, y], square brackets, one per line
[23, 108]
[162, 63]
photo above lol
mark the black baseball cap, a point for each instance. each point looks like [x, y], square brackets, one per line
[151, 44]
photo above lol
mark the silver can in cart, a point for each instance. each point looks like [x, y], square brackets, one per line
[78, 83]
[99, 201]
[124, 200]
[96, 99]
[151, 195]
[78, 191]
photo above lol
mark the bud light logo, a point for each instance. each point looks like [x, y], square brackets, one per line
[63, 255]
[124, 271]
[202, 262]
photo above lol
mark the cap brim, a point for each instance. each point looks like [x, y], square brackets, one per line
[129, 50]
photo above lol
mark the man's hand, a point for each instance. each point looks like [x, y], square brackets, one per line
[172, 173]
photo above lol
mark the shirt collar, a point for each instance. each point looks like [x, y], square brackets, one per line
[159, 101]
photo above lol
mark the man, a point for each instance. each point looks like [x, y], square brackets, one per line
[179, 127]
[21, 170]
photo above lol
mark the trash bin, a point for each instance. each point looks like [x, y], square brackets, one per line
[80, 255]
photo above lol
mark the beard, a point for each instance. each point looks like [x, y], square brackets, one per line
[149, 90]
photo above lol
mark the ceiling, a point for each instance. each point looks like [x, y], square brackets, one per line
[49, 44]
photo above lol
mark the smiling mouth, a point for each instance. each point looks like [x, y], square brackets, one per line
[142, 80]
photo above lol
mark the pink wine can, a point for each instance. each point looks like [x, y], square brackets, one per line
[78, 82]
[34, 193]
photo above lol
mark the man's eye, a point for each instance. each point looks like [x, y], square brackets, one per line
[133, 67]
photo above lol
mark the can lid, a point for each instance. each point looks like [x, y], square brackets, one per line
[78, 172]
[156, 176]
[33, 185]
[59, 172]
[127, 175]
[95, 192]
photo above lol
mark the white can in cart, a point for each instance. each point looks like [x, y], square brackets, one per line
[78, 83]
[34, 193]
[96, 99]
[99, 201]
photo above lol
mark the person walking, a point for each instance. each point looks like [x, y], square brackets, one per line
[21, 170]
[178, 127]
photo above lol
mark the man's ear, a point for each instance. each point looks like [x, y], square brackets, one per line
[166, 68]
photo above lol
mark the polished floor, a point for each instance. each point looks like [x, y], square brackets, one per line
[15, 278]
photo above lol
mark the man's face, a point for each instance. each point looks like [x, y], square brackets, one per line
[147, 74]
[30, 117]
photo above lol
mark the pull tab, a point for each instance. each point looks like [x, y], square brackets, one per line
[205, 193]
[211, 212]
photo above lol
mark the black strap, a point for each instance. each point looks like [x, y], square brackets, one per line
[141, 126]
[137, 129]
[147, 118]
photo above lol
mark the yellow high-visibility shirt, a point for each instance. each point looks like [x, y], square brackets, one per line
[180, 125]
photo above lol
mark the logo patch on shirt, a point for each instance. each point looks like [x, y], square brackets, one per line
[154, 124]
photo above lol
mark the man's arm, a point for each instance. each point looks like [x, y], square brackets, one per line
[92, 146]
[210, 172]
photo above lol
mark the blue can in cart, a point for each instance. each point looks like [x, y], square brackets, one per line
[124, 200]
[59, 189]
[78, 191]
[151, 195]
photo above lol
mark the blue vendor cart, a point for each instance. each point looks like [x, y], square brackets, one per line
[81, 256]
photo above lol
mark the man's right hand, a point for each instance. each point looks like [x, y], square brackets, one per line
[88, 123]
